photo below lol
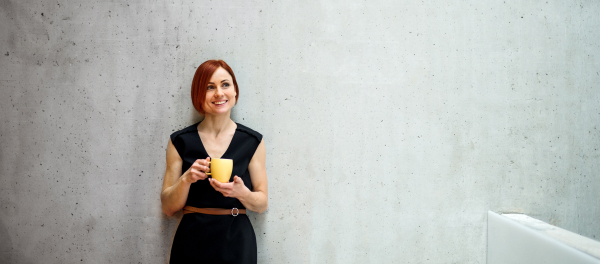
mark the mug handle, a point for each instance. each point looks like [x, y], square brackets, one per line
[208, 173]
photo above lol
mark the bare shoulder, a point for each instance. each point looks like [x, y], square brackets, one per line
[173, 157]
[260, 152]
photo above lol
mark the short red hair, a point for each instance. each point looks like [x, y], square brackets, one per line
[200, 83]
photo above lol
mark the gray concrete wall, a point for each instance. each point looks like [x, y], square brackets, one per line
[391, 127]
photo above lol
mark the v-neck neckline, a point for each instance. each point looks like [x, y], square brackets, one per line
[228, 146]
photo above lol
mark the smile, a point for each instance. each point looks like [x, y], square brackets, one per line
[220, 102]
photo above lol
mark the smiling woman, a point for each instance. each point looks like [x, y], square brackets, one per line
[214, 228]
[204, 84]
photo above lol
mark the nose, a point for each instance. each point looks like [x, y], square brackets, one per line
[218, 92]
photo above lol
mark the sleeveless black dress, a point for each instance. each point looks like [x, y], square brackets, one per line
[202, 238]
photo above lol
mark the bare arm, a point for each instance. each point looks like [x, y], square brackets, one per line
[175, 189]
[256, 200]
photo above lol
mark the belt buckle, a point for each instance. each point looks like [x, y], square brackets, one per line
[236, 213]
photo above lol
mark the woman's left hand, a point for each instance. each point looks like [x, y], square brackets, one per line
[235, 189]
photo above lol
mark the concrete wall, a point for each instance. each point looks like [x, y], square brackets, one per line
[391, 127]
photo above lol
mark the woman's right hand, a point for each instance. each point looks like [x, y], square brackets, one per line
[197, 171]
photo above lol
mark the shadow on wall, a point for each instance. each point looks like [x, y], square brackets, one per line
[8, 254]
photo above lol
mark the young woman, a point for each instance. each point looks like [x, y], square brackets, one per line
[215, 227]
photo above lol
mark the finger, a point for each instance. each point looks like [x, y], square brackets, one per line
[226, 186]
[197, 166]
[237, 179]
[204, 168]
[214, 183]
[202, 162]
[198, 174]
[201, 168]
[197, 171]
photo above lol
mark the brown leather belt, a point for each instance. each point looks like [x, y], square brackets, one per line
[213, 211]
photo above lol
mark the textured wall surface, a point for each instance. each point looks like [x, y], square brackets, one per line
[391, 127]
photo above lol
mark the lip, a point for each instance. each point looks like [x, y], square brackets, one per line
[215, 102]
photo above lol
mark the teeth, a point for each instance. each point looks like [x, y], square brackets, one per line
[220, 102]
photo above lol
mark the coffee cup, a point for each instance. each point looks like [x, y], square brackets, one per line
[220, 169]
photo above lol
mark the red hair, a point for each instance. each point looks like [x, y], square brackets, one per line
[203, 74]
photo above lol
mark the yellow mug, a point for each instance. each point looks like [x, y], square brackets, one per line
[220, 169]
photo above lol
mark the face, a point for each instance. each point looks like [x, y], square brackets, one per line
[220, 93]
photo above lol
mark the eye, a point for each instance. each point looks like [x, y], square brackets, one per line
[210, 87]
[225, 85]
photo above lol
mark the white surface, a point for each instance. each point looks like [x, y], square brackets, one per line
[581, 243]
[522, 239]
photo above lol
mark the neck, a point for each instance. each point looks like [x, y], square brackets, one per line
[215, 124]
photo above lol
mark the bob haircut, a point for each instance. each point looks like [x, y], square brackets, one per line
[201, 79]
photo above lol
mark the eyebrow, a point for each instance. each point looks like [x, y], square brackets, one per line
[226, 80]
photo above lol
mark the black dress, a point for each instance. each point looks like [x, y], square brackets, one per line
[202, 238]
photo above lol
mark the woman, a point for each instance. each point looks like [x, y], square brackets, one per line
[214, 227]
